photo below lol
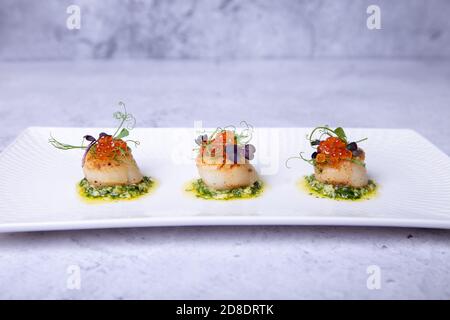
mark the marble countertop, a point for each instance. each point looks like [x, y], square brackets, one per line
[228, 262]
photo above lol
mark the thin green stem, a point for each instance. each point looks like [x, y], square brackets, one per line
[63, 146]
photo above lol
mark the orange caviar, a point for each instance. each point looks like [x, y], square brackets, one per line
[333, 150]
[225, 137]
[321, 158]
[107, 147]
[217, 147]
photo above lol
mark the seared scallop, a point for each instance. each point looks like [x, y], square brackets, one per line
[344, 173]
[227, 176]
[122, 170]
[223, 164]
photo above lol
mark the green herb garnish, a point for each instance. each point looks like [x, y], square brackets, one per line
[130, 191]
[123, 133]
[301, 157]
[63, 146]
[201, 190]
[242, 137]
[127, 122]
[314, 141]
[125, 119]
[339, 192]
[326, 130]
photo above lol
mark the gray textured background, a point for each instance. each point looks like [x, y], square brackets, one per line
[224, 29]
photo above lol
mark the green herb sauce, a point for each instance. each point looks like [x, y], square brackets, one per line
[325, 190]
[201, 190]
[119, 192]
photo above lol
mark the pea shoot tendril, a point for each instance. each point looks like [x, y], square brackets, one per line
[317, 136]
[244, 136]
[127, 122]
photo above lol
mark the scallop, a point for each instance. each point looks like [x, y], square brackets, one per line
[110, 172]
[345, 173]
[226, 176]
[221, 169]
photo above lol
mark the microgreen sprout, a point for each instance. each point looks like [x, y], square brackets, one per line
[326, 130]
[63, 146]
[318, 134]
[240, 148]
[300, 157]
[136, 143]
[242, 137]
[246, 135]
[127, 122]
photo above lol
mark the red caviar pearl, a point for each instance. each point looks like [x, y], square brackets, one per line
[333, 150]
[108, 148]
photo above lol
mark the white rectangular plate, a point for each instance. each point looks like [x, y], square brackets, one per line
[38, 184]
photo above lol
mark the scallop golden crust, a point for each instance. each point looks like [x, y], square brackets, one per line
[344, 173]
[223, 164]
[227, 176]
[122, 170]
